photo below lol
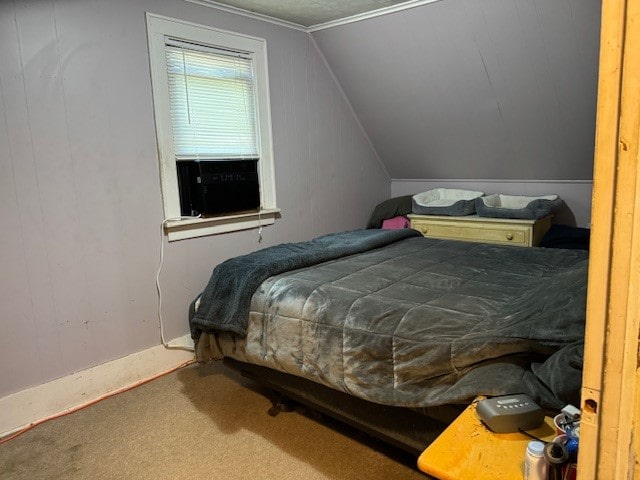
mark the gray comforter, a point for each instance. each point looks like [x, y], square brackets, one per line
[225, 302]
[419, 322]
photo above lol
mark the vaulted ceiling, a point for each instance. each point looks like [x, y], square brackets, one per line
[463, 89]
[467, 89]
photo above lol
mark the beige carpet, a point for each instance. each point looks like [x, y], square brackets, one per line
[198, 422]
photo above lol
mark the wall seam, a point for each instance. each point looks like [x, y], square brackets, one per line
[351, 109]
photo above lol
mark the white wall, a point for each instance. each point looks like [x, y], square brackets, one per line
[79, 182]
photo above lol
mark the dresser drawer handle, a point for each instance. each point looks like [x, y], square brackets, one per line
[509, 236]
[424, 229]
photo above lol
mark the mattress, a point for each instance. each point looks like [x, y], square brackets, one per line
[419, 322]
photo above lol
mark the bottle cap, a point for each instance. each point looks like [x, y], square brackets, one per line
[535, 448]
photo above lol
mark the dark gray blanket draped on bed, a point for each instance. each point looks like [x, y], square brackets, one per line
[417, 323]
[224, 304]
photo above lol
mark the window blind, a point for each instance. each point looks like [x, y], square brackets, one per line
[212, 102]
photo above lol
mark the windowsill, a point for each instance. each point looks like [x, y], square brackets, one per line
[200, 227]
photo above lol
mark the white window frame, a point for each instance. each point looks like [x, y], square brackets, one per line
[177, 227]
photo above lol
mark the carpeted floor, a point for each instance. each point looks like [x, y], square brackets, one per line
[198, 422]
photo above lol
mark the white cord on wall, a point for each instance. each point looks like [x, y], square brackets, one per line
[177, 345]
[169, 345]
[260, 224]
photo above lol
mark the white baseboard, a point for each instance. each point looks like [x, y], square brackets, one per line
[23, 408]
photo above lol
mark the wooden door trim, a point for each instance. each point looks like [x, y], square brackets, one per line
[608, 448]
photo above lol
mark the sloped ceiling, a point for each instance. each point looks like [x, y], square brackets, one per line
[464, 89]
[492, 89]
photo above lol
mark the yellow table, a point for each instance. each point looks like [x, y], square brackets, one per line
[467, 450]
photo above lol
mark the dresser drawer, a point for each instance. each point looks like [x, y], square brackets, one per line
[476, 232]
[471, 228]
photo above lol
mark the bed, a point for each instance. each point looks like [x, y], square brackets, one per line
[393, 322]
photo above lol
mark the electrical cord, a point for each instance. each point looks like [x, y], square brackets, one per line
[92, 402]
[170, 345]
[167, 345]
[532, 436]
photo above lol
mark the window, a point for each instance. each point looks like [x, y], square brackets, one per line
[211, 103]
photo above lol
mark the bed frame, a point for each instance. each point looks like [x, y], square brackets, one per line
[408, 429]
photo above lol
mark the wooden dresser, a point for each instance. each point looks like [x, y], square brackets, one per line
[472, 228]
